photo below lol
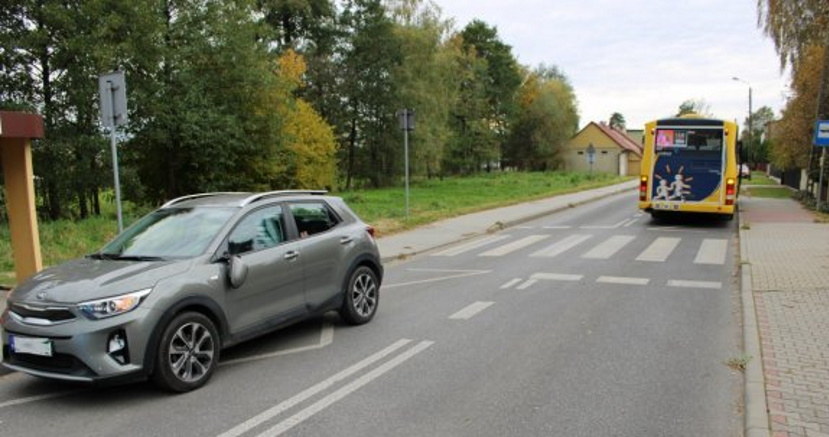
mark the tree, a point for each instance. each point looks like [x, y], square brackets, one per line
[791, 144]
[503, 77]
[50, 55]
[617, 121]
[369, 57]
[754, 144]
[426, 79]
[545, 119]
[798, 28]
[694, 106]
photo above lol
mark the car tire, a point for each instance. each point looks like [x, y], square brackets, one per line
[187, 354]
[362, 294]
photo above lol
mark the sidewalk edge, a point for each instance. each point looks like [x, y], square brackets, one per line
[756, 410]
[620, 189]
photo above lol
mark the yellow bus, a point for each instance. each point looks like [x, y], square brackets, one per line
[689, 164]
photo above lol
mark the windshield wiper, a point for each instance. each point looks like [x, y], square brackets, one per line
[117, 257]
[137, 258]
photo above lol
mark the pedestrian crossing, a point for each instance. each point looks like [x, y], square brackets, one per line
[708, 251]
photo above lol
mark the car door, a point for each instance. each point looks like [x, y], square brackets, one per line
[325, 244]
[273, 290]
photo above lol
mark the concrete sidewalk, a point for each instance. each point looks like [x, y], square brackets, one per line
[445, 232]
[785, 263]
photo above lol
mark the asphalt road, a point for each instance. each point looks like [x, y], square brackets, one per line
[591, 322]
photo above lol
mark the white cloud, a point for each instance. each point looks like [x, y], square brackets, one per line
[642, 58]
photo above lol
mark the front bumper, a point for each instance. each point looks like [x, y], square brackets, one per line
[79, 346]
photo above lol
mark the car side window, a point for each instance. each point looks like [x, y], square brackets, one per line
[313, 217]
[261, 229]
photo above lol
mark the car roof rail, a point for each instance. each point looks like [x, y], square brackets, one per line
[259, 196]
[196, 196]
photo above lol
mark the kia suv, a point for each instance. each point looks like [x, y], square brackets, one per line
[201, 273]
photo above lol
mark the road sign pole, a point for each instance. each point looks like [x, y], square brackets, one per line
[820, 179]
[114, 146]
[406, 152]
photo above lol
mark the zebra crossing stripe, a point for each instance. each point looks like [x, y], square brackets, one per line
[712, 251]
[694, 284]
[659, 250]
[609, 247]
[623, 280]
[515, 245]
[561, 246]
[472, 245]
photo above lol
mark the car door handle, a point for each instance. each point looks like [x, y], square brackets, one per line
[292, 255]
[346, 240]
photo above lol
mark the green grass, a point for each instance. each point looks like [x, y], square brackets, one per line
[430, 200]
[768, 192]
[758, 178]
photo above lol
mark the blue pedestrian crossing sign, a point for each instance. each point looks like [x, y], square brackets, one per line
[822, 133]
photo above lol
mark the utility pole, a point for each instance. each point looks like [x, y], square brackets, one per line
[407, 124]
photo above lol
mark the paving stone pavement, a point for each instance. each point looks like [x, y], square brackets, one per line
[789, 258]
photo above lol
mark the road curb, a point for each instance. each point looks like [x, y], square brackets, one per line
[756, 409]
[507, 224]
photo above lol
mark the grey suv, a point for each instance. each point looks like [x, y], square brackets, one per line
[199, 274]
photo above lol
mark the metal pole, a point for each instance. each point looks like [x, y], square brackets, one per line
[750, 124]
[117, 178]
[820, 179]
[406, 153]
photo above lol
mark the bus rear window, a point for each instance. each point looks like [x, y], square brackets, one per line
[690, 140]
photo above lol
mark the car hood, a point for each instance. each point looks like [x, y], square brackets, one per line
[88, 279]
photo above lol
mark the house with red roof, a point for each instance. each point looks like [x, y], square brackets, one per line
[614, 151]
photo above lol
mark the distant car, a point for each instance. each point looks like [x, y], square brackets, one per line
[745, 171]
[199, 274]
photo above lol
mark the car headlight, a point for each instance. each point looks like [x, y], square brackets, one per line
[113, 306]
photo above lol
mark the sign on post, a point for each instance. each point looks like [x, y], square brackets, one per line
[822, 133]
[112, 90]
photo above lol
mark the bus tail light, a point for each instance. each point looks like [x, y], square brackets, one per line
[730, 191]
[643, 188]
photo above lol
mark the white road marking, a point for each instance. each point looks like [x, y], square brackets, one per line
[614, 226]
[557, 227]
[42, 397]
[609, 247]
[346, 390]
[712, 251]
[527, 284]
[694, 284]
[561, 246]
[515, 245]
[456, 274]
[306, 394]
[623, 280]
[326, 338]
[471, 310]
[457, 250]
[556, 277]
[632, 221]
[659, 250]
[511, 283]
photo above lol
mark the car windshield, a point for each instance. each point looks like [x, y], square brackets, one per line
[169, 233]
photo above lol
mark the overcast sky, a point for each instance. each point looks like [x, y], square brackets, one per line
[641, 58]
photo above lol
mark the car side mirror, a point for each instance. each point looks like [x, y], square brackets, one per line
[237, 270]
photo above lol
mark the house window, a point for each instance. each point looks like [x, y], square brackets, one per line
[581, 153]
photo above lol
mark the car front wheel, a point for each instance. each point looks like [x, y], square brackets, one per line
[361, 296]
[187, 353]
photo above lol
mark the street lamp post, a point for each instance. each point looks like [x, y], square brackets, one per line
[750, 125]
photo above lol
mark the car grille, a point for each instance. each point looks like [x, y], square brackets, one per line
[59, 363]
[51, 314]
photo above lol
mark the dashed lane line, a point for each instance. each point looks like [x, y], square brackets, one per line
[471, 311]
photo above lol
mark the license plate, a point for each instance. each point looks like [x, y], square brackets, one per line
[31, 345]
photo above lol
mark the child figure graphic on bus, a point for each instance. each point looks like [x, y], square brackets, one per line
[663, 191]
[678, 188]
